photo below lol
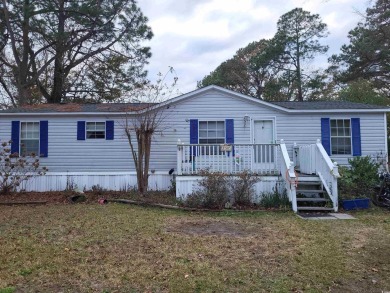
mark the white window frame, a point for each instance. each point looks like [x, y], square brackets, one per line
[341, 136]
[22, 139]
[86, 129]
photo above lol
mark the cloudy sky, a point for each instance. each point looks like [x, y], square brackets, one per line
[195, 36]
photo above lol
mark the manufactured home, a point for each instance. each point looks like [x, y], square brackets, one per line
[285, 143]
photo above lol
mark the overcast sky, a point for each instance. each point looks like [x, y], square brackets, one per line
[195, 36]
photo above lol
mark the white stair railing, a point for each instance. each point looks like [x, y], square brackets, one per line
[288, 175]
[328, 173]
[313, 159]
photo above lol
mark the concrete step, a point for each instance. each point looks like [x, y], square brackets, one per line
[314, 209]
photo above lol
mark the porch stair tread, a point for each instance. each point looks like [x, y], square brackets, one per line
[310, 190]
[314, 209]
[312, 199]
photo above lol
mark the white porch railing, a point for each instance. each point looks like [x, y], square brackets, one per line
[313, 159]
[262, 159]
[288, 174]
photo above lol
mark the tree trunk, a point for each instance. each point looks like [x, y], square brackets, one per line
[58, 79]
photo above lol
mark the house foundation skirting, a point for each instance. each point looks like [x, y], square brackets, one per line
[58, 181]
[186, 185]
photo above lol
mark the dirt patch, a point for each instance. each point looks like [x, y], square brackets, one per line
[212, 227]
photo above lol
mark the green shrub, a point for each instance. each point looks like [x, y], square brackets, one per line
[360, 179]
[274, 200]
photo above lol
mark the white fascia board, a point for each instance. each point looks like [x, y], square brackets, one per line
[338, 111]
[57, 114]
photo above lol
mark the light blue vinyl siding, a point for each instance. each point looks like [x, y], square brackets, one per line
[69, 154]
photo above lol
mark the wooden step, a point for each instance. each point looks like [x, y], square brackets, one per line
[310, 190]
[312, 199]
[314, 209]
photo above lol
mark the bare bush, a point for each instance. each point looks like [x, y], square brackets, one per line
[213, 191]
[242, 188]
[16, 169]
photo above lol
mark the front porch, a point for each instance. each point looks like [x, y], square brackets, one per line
[269, 161]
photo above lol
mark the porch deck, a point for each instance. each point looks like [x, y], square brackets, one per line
[266, 160]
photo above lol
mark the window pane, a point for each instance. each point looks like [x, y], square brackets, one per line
[100, 126]
[90, 126]
[202, 125]
[221, 133]
[29, 147]
[221, 125]
[202, 133]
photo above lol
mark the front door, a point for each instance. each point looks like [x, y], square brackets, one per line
[264, 150]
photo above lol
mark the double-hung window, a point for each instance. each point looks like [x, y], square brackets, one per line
[340, 135]
[96, 130]
[29, 138]
[211, 132]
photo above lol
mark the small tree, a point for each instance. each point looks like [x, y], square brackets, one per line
[15, 169]
[147, 119]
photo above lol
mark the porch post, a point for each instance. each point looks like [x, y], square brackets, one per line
[179, 157]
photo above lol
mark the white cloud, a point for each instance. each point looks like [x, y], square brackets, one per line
[195, 36]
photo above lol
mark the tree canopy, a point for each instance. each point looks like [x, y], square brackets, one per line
[367, 56]
[59, 49]
[273, 69]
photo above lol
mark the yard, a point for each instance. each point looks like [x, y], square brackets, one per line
[123, 248]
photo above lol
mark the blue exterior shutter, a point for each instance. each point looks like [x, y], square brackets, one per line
[80, 130]
[356, 137]
[194, 131]
[229, 133]
[325, 134]
[110, 130]
[15, 132]
[194, 138]
[229, 124]
[43, 138]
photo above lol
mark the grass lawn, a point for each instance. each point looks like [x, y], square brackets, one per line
[123, 248]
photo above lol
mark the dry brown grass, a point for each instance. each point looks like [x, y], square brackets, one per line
[121, 248]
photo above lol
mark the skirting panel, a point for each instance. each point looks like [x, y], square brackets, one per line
[85, 181]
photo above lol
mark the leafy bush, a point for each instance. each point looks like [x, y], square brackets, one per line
[360, 179]
[212, 193]
[242, 188]
[274, 200]
[16, 169]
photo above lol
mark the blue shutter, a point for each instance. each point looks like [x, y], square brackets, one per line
[110, 130]
[356, 137]
[43, 138]
[194, 138]
[194, 131]
[229, 124]
[15, 130]
[229, 133]
[325, 134]
[80, 130]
